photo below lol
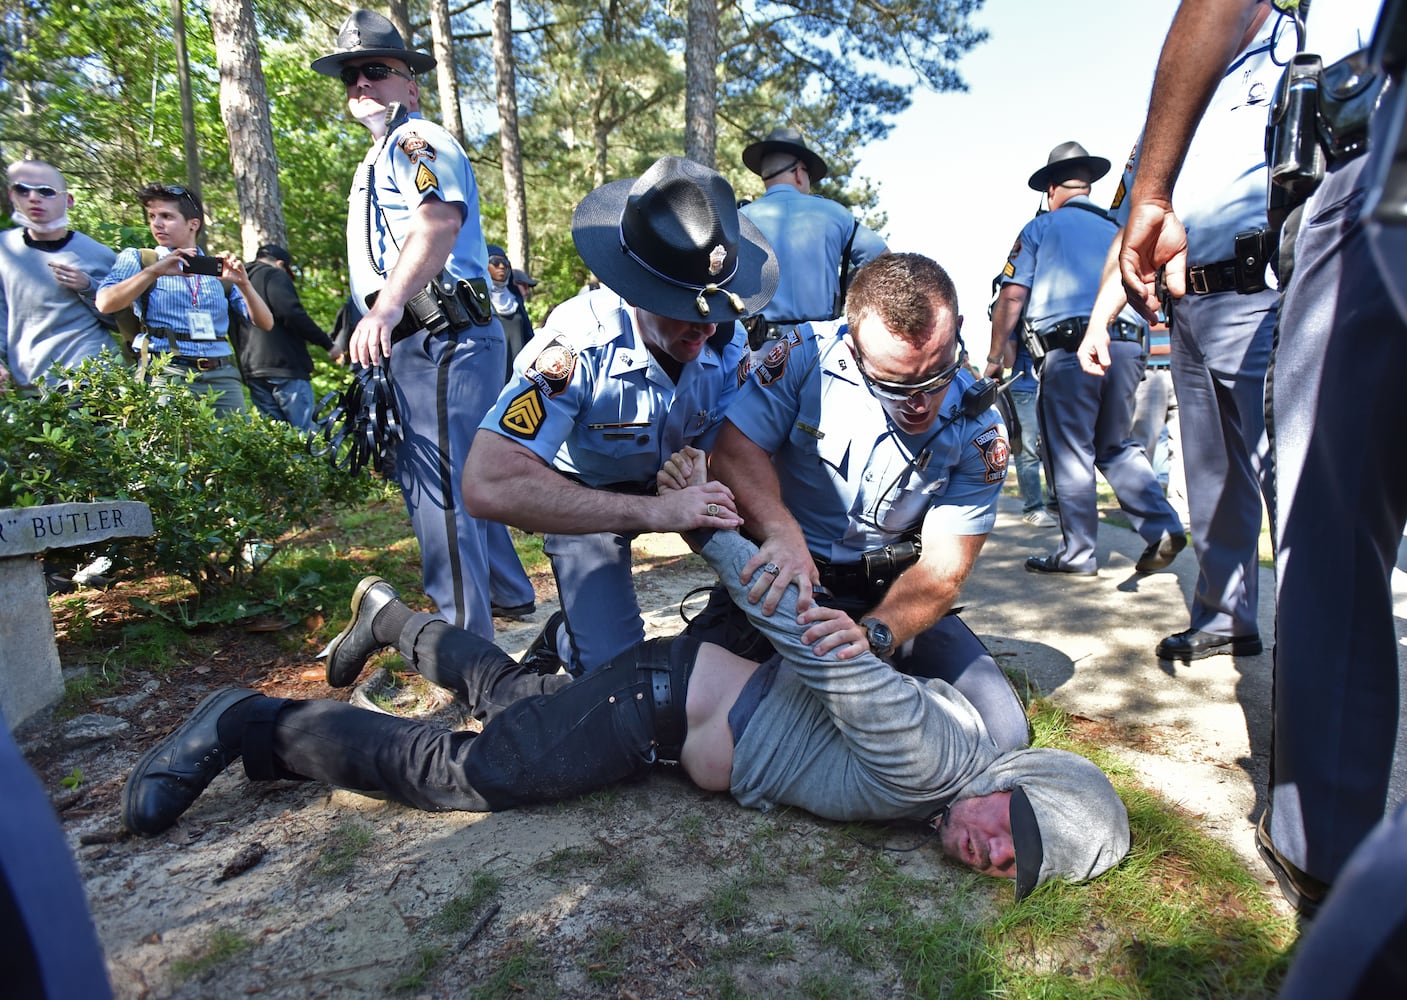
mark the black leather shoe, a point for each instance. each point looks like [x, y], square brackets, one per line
[349, 650]
[1194, 644]
[172, 774]
[1161, 553]
[1047, 564]
[1303, 892]
[542, 654]
[516, 613]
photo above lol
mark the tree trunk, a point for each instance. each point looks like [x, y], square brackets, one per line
[443, 41]
[515, 204]
[701, 83]
[183, 73]
[244, 106]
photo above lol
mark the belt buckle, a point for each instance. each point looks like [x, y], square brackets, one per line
[1197, 279]
[207, 364]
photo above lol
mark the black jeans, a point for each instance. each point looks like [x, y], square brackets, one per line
[544, 738]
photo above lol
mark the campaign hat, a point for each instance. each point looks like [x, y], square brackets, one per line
[1065, 161]
[672, 242]
[784, 140]
[366, 34]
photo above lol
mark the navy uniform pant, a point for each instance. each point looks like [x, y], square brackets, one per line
[545, 738]
[1085, 421]
[1220, 353]
[1338, 421]
[597, 591]
[48, 946]
[444, 384]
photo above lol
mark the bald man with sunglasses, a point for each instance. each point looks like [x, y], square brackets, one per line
[862, 465]
[48, 276]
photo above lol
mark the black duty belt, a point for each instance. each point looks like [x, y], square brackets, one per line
[1067, 334]
[1244, 273]
[201, 364]
[442, 305]
[870, 575]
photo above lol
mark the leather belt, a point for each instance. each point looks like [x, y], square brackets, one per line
[1244, 273]
[201, 364]
[1067, 334]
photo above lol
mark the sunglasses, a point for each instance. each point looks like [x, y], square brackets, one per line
[498, 261]
[42, 190]
[903, 392]
[373, 71]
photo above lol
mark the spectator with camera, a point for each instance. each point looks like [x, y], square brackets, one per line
[182, 298]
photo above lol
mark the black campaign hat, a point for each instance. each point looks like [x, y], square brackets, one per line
[671, 241]
[783, 140]
[1064, 162]
[367, 33]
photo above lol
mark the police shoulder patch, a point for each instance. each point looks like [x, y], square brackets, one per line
[425, 179]
[416, 147]
[1015, 249]
[554, 366]
[995, 453]
[525, 414]
[774, 365]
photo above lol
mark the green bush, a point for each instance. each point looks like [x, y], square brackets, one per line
[214, 484]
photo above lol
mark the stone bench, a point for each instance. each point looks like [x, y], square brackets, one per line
[30, 678]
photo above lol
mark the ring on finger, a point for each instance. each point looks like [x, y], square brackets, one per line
[712, 510]
[772, 568]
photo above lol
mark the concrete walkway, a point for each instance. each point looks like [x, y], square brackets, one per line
[1197, 733]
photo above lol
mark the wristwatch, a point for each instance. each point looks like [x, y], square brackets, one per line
[881, 638]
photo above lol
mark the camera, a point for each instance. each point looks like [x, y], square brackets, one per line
[213, 266]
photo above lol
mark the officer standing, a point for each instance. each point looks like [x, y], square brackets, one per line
[1221, 333]
[630, 373]
[417, 259]
[1053, 275]
[865, 462]
[818, 243]
[1336, 420]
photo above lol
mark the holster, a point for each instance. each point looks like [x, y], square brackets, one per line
[444, 304]
[871, 576]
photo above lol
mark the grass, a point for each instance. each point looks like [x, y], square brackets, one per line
[222, 945]
[346, 843]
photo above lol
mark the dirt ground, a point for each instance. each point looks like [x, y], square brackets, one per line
[653, 890]
[293, 890]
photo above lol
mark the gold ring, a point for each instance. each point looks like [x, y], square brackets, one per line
[711, 510]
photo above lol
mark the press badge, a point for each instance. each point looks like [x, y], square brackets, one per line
[202, 326]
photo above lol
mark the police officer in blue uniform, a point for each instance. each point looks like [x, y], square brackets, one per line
[1020, 390]
[818, 243]
[630, 373]
[1053, 275]
[1336, 420]
[416, 252]
[1221, 333]
[864, 464]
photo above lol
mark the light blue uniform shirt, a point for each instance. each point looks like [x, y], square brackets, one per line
[597, 405]
[1221, 190]
[849, 477]
[1059, 256]
[418, 160]
[175, 299]
[808, 233]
